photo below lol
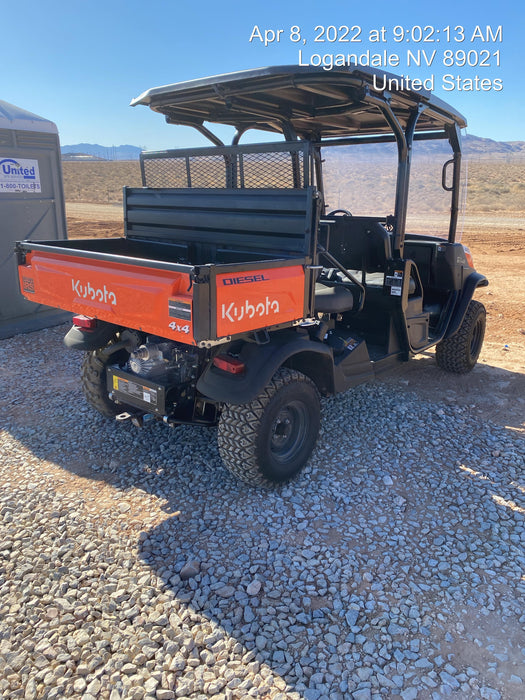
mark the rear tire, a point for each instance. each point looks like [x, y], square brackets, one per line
[94, 385]
[460, 352]
[270, 439]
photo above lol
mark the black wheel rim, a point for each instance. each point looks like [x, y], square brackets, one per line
[476, 339]
[289, 431]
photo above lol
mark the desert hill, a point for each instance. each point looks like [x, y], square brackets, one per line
[473, 146]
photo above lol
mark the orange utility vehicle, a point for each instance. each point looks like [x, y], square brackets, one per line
[235, 297]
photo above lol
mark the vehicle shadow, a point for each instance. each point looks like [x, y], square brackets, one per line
[315, 586]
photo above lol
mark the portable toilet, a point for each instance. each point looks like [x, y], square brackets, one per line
[31, 207]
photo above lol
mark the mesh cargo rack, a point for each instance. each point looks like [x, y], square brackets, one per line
[266, 166]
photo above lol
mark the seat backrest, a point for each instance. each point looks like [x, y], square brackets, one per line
[359, 243]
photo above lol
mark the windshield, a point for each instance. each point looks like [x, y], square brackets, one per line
[362, 179]
[428, 209]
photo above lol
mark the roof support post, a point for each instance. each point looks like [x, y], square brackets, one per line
[404, 141]
[209, 134]
[454, 137]
[290, 134]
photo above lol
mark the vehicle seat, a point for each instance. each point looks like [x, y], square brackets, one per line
[334, 299]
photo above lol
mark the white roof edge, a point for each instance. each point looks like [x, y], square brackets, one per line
[18, 119]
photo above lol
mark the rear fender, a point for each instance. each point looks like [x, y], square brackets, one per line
[261, 363]
[90, 338]
[473, 281]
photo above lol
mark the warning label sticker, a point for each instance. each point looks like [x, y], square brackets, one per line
[20, 175]
[28, 284]
[395, 283]
[138, 391]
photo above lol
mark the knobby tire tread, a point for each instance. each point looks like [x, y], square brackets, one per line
[238, 429]
[93, 380]
[453, 354]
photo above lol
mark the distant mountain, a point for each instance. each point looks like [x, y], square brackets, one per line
[474, 146]
[98, 152]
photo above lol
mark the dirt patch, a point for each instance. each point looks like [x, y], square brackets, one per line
[79, 228]
[94, 220]
[499, 253]
[99, 181]
[89, 212]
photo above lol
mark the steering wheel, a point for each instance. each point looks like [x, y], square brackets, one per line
[340, 211]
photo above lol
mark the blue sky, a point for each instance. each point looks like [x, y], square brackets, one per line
[80, 63]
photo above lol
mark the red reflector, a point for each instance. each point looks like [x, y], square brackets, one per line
[84, 321]
[229, 364]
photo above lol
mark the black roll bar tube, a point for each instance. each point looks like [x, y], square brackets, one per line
[399, 235]
[404, 141]
[454, 137]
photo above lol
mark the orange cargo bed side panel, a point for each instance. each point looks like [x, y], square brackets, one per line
[259, 298]
[155, 301]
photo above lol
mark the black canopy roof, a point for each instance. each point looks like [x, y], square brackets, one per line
[345, 101]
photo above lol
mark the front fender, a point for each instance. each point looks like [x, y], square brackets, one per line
[261, 362]
[473, 281]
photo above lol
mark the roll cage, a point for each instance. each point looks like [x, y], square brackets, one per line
[345, 106]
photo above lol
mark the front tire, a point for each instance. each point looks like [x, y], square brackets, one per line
[460, 352]
[270, 439]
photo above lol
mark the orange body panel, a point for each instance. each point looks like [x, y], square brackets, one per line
[155, 301]
[259, 298]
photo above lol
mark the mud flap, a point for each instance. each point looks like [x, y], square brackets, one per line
[90, 338]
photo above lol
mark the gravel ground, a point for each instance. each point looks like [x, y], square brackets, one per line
[133, 566]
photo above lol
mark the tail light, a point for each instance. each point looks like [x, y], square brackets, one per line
[81, 321]
[229, 364]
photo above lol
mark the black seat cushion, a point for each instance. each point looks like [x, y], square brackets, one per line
[333, 300]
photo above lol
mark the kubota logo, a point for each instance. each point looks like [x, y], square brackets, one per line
[86, 291]
[234, 313]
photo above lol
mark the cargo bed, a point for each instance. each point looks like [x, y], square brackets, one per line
[186, 269]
